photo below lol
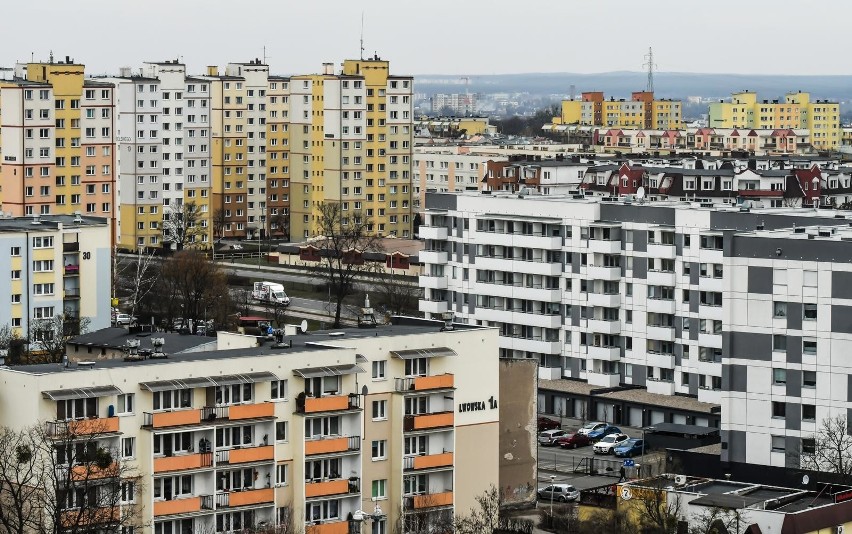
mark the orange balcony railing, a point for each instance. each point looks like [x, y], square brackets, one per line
[175, 418]
[329, 487]
[332, 445]
[245, 498]
[422, 383]
[83, 427]
[81, 473]
[90, 516]
[251, 411]
[333, 527]
[245, 455]
[428, 500]
[177, 506]
[183, 462]
[429, 461]
[426, 421]
[329, 404]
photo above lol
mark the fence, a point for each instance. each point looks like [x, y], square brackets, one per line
[652, 465]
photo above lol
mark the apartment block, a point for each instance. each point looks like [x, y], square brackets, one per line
[651, 304]
[403, 419]
[57, 135]
[443, 169]
[57, 265]
[642, 110]
[278, 157]
[351, 139]
[797, 111]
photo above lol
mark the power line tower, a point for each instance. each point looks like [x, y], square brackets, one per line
[649, 62]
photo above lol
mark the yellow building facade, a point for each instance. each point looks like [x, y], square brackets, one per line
[642, 110]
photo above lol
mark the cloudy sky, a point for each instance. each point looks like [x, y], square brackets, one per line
[439, 36]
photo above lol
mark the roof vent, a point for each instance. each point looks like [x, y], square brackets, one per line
[801, 230]
[35, 220]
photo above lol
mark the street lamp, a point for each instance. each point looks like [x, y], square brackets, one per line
[643, 442]
[552, 478]
[362, 517]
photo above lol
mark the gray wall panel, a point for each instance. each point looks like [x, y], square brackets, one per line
[640, 241]
[794, 349]
[841, 318]
[640, 268]
[693, 273]
[751, 346]
[841, 284]
[441, 201]
[793, 419]
[794, 383]
[794, 315]
[760, 280]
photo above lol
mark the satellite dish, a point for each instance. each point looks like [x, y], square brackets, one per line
[303, 326]
[640, 193]
[805, 480]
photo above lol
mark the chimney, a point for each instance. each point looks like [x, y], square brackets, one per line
[212, 70]
[68, 59]
[328, 68]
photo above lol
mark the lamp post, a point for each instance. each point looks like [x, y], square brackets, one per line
[362, 517]
[552, 478]
[643, 443]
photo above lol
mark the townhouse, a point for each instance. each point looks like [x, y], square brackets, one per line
[399, 422]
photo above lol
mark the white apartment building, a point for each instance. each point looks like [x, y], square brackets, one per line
[448, 168]
[644, 304]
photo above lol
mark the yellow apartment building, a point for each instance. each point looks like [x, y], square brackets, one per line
[642, 110]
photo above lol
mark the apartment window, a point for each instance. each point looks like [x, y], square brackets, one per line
[808, 412]
[43, 242]
[379, 489]
[281, 431]
[809, 312]
[281, 472]
[779, 309]
[779, 444]
[16, 274]
[779, 409]
[125, 404]
[128, 492]
[279, 390]
[779, 343]
[176, 398]
[808, 446]
[779, 376]
[379, 449]
[128, 447]
[15, 251]
[808, 379]
[380, 410]
[379, 369]
[809, 346]
[16, 298]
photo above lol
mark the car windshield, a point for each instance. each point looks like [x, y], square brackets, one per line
[608, 439]
[589, 426]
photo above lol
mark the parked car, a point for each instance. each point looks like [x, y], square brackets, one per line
[572, 441]
[124, 319]
[630, 448]
[610, 442]
[591, 427]
[559, 493]
[605, 430]
[546, 423]
[548, 437]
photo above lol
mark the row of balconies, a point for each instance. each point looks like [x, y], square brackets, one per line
[208, 415]
[235, 456]
[198, 503]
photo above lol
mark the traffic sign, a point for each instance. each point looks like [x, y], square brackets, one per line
[629, 463]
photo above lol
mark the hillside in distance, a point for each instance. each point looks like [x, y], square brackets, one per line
[621, 84]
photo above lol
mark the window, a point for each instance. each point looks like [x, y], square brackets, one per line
[416, 367]
[15, 251]
[379, 369]
[808, 412]
[779, 343]
[125, 403]
[281, 472]
[176, 398]
[809, 346]
[128, 447]
[43, 242]
[809, 312]
[808, 379]
[281, 431]
[379, 487]
[778, 444]
[128, 492]
[779, 310]
[779, 376]
[279, 390]
[380, 410]
[76, 408]
[379, 449]
[779, 409]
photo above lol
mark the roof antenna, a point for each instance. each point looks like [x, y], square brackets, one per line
[362, 36]
[649, 62]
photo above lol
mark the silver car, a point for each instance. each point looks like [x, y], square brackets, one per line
[548, 438]
[559, 493]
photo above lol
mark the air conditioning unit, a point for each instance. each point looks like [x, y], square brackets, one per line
[680, 480]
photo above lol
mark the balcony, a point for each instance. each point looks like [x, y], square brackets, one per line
[710, 312]
[186, 505]
[609, 380]
[72, 270]
[531, 344]
[172, 419]
[74, 518]
[438, 257]
[710, 340]
[606, 300]
[432, 282]
[609, 354]
[249, 497]
[665, 360]
[91, 471]
[245, 455]
[72, 292]
[237, 412]
[331, 487]
[71, 247]
[331, 527]
[427, 421]
[183, 462]
[331, 445]
[604, 326]
[661, 278]
[660, 387]
[428, 500]
[663, 333]
[706, 283]
[433, 306]
[428, 461]
[331, 403]
[659, 250]
[660, 305]
[603, 273]
[424, 383]
[433, 232]
[82, 427]
[603, 246]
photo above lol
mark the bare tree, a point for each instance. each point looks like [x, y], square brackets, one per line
[397, 295]
[182, 225]
[137, 277]
[279, 223]
[48, 336]
[65, 477]
[715, 520]
[657, 508]
[219, 222]
[483, 518]
[276, 312]
[193, 288]
[343, 240]
[830, 449]
[607, 522]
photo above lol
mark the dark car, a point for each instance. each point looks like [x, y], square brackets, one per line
[572, 441]
[630, 448]
[546, 423]
[605, 431]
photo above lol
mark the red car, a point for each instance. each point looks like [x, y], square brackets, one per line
[572, 441]
[546, 423]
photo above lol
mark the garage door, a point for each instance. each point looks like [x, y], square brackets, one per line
[679, 419]
[702, 421]
[657, 417]
[635, 417]
[604, 412]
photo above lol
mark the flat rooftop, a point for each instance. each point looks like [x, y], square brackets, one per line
[48, 222]
[299, 344]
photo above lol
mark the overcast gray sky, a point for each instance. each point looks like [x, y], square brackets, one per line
[439, 36]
